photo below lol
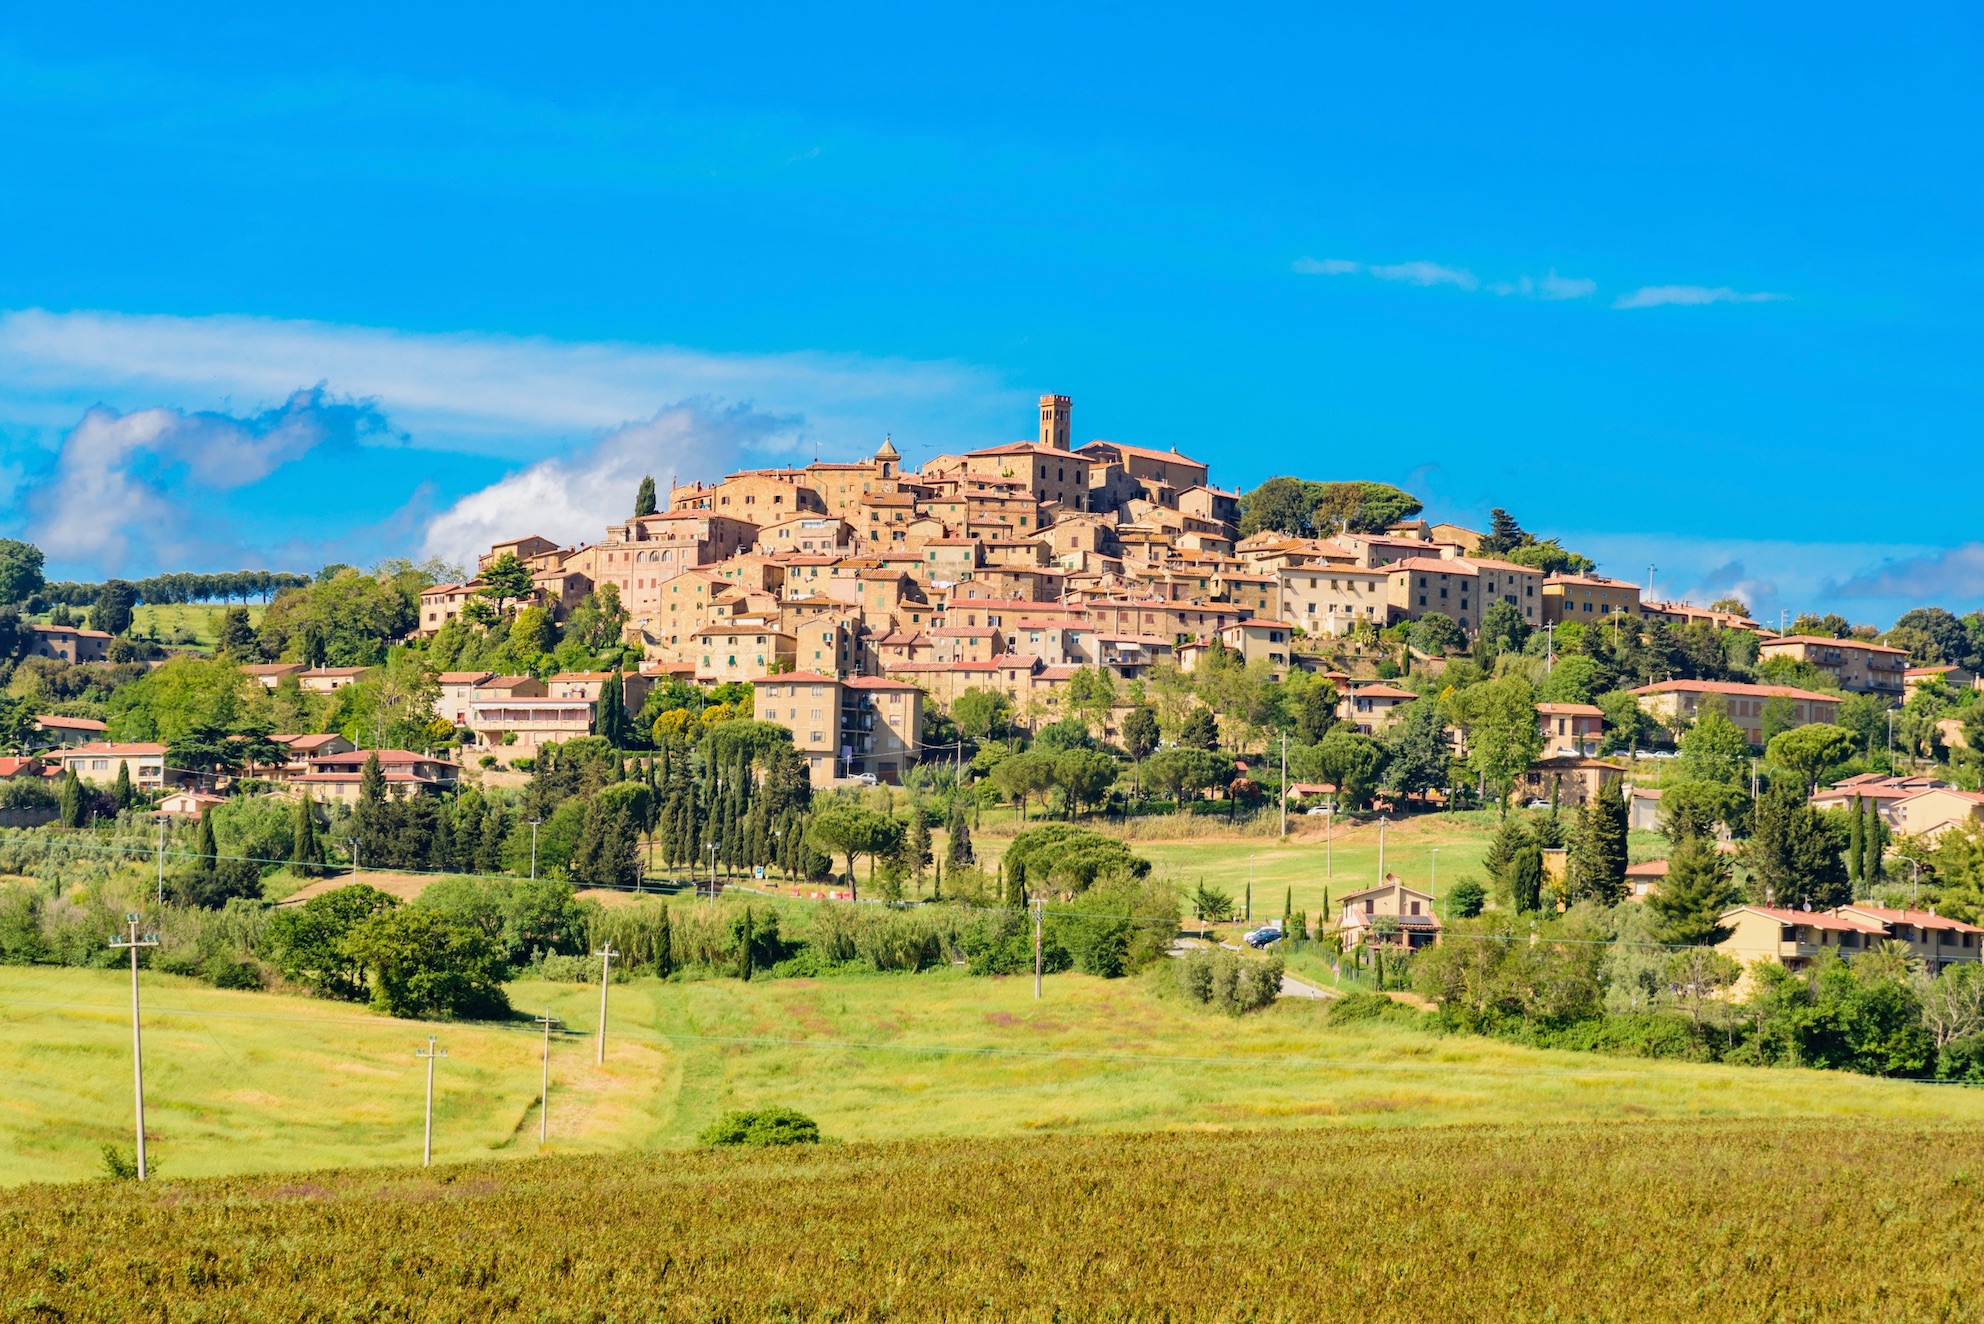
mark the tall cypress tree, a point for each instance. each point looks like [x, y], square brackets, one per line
[611, 721]
[957, 851]
[306, 852]
[644, 498]
[69, 799]
[1856, 842]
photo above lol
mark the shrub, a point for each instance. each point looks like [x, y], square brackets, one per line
[1364, 1008]
[762, 1126]
[1221, 979]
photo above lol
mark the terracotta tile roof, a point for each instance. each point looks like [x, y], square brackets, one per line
[1731, 687]
[53, 723]
[1921, 919]
[795, 678]
[1816, 919]
[1570, 709]
[1863, 644]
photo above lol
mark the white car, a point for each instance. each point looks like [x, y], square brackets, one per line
[1319, 809]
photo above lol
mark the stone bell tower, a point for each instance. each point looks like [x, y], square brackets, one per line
[1054, 414]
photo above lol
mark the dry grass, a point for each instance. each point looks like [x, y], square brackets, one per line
[1625, 1221]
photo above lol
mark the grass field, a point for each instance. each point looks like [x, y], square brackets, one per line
[186, 623]
[1614, 1221]
[243, 1082]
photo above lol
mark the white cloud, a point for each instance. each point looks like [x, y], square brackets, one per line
[506, 394]
[1949, 575]
[571, 498]
[1658, 296]
[1556, 287]
[127, 488]
[1551, 287]
[1426, 273]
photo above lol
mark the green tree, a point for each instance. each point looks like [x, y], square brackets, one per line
[505, 580]
[1572, 680]
[123, 794]
[114, 603]
[20, 570]
[1811, 751]
[957, 832]
[1070, 858]
[237, 635]
[1598, 860]
[1503, 734]
[644, 500]
[1526, 877]
[1793, 853]
[424, 963]
[612, 723]
[533, 634]
[306, 859]
[1092, 697]
[850, 832]
[916, 845]
[1311, 703]
[1200, 731]
[1350, 761]
[1714, 749]
[72, 802]
[1418, 752]
[982, 714]
[1140, 733]
[1436, 634]
[1084, 776]
[1693, 809]
[1024, 776]
[1503, 629]
[306, 943]
[1465, 899]
[1280, 505]
[1697, 891]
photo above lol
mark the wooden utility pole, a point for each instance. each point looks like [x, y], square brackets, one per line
[133, 943]
[605, 955]
[1036, 948]
[547, 1020]
[427, 1144]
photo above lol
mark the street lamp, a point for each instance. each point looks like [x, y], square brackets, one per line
[1915, 880]
[713, 848]
[533, 848]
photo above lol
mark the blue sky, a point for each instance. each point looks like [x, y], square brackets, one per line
[1691, 288]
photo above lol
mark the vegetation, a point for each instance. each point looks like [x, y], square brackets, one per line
[927, 1229]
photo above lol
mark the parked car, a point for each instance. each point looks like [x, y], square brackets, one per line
[865, 778]
[1264, 936]
[1537, 804]
[1319, 809]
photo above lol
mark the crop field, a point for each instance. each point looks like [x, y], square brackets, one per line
[245, 1082]
[1613, 1221]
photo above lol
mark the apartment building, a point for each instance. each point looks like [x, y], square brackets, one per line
[1678, 702]
[860, 726]
[1587, 598]
[1858, 665]
[1335, 599]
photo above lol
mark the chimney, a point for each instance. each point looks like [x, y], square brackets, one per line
[1054, 413]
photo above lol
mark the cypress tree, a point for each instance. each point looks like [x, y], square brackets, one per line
[612, 721]
[744, 946]
[958, 849]
[306, 852]
[123, 792]
[664, 943]
[1877, 842]
[204, 846]
[1526, 878]
[644, 498]
[919, 842]
[1856, 842]
[69, 800]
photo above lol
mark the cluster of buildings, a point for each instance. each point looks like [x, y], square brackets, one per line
[849, 594]
[866, 588]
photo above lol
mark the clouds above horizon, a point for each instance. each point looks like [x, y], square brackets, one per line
[1550, 288]
[147, 442]
[571, 498]
[131, 491]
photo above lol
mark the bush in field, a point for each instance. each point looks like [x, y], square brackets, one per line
[762, 1126]
[1226, 982]
[422, 963]
[307, 943]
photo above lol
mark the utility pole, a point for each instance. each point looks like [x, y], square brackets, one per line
[160, 820]
[1434, 885]
[1329, 835]
[1284, 783]
[1381, 850]
[134, 942]
[353, 843]
[715, 846]
[1036, 949]
[547, 1020]
[1250, 889]
[605, 955]
[533, 848]
[427, 1144]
